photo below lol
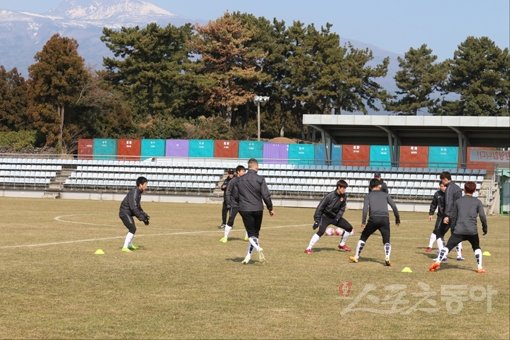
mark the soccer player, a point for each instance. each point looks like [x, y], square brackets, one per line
[232, 204]
[437, 203]
[375, 205]
[463, 226]
[384, 187]
[330, 211]
[130, 207]
[249, 191]
[440, 229]
[224, 208]
[452, 194]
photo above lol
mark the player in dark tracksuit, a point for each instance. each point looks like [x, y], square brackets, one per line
[330, 211]
[130, 207]
[232, 204]
[437, 203]
[224, 208]
[375, 205]
[463, 226]
[250, 190]
[384, 187]
[452, 194]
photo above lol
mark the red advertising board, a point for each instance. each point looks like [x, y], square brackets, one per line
[85, 148]
[485, 158]
[355, 155]
[226, 148]
[414, 156]
[128, 149]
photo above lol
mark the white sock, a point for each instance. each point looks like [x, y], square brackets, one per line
[440, 243]
[459, 249]
[313, 240]
[442, 254]
[432, 239]
[478, 257]
[227, 230]
[359, 248]
[129, 238]
[344, 238]
[250, 249]
[254, 242]
[387, 250]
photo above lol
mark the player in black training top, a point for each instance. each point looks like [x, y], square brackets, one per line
[224, 208]
[330, 211]
[130, 207]
[437, 203]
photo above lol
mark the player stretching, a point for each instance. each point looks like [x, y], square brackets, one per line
[463, 226]
[375, 206]
[130, 207]
[330, 211]
[232, 204]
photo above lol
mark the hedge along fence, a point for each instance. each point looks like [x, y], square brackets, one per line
[17, 140]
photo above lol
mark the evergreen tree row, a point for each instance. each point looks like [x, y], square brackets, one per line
[200, 81]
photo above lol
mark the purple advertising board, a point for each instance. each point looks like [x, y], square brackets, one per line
[275, 153]
[177, 148]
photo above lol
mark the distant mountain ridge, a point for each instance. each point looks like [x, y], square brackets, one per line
[23, 34]
[111, 13]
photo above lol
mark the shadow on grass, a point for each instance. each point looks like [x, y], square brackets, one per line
[253, 261]
[318, 250]
[236, 239]
[431, 255]
[371, 259]
[455, 265]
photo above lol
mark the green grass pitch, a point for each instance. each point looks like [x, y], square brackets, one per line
[184, 283]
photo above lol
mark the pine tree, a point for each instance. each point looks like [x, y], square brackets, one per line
[56, 81]
[479, 74]
[151, 67]
[227, 70]
[418, 78]
[13, 100]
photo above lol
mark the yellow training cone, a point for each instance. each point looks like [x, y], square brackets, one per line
[407, 270]
[99, 252]
[486, 253]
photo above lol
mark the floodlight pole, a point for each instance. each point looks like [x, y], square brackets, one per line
[259, 100]
[258, 120]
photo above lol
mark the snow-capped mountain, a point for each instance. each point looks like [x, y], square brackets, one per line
[114, 13]
[22, 34]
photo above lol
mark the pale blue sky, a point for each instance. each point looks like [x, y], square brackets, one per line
[393, 25]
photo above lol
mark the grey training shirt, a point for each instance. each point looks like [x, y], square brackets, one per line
[464, 215]
[376, 203]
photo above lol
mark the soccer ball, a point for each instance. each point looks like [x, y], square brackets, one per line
[338, 231]
[330, 231]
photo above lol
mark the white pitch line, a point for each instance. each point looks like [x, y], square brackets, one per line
[59, 219]
[137, 235]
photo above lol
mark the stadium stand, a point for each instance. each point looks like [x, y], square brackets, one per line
[162, 176]
[415, 183]
[200, 176]
[26, 173]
